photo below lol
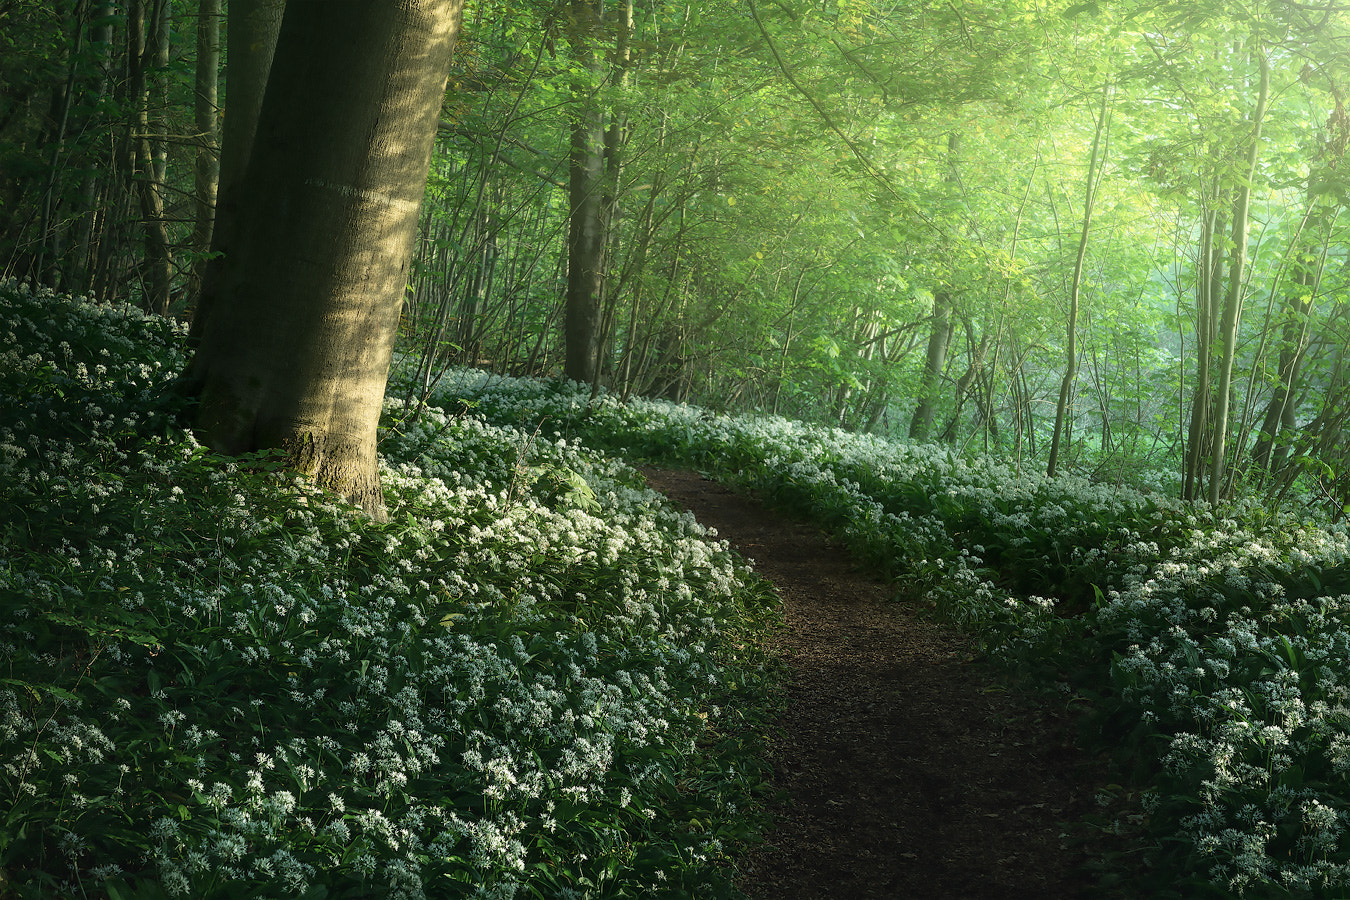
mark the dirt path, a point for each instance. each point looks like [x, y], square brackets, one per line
[907, 770]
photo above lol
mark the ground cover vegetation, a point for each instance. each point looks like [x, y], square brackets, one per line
[1211, 644]
[1101, 241]
[533, 680]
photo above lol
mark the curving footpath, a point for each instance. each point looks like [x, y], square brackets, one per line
[906, 769]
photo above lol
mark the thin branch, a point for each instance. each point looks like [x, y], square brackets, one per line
[872, 171]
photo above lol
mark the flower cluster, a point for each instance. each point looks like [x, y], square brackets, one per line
[1218, 641]
[220, 681]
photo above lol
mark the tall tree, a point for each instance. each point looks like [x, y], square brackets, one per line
[304, 304]
[585, 231]
[147, 59]
[1237, 271]
[206, 166]
[940, 334]
[251, 41]
[1095, 163]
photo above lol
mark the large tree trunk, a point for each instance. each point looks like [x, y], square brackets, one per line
[251, 41]
[304, 304]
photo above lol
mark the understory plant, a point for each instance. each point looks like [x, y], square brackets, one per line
[1213, 643]
[535, 680]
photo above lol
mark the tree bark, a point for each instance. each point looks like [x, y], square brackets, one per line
[144, 23]
[251, 39]
[50, 249]
[616, 130]
[1232, 309]
[92, 219]
[1271, 449]
[935, 361]
[1099, 143]
[585, 223]
[940, 337]
[1206, 313]
[150, 47]
[304, 305]
[206, 167]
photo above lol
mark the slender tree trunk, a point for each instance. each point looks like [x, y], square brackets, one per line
[1100, 141]
[788, 335]
[612, 160]
[935, 361]
[295, 353]
[50, 250]
[1271, 448]
[967, 382]
[940, 337]
[1270, 451]
[147, 45]
[206, 167]
[251, 39]
[92, 218]
[1206, 315]
[1232, 309]
[585, 231]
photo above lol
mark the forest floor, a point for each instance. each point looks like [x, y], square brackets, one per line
[905, 767]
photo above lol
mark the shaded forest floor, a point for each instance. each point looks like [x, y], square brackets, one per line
[905, 768]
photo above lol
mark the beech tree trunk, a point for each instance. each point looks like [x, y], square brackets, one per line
[304, 303]
[251, 44]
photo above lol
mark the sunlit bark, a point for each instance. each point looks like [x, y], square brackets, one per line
[296, 350]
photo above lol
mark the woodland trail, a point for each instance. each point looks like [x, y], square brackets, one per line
[907, 770]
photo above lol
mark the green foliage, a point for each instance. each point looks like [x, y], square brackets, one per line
[1210, 644]
[792, 190]
[534, 679]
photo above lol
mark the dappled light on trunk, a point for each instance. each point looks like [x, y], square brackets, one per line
[303, 304]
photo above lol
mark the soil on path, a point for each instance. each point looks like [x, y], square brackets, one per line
[905, 768]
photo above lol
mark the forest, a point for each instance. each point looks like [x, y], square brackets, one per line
[331, 333]
[1101, 235]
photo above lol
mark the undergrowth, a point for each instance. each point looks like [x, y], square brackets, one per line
[1212, 643]
[535, 680]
